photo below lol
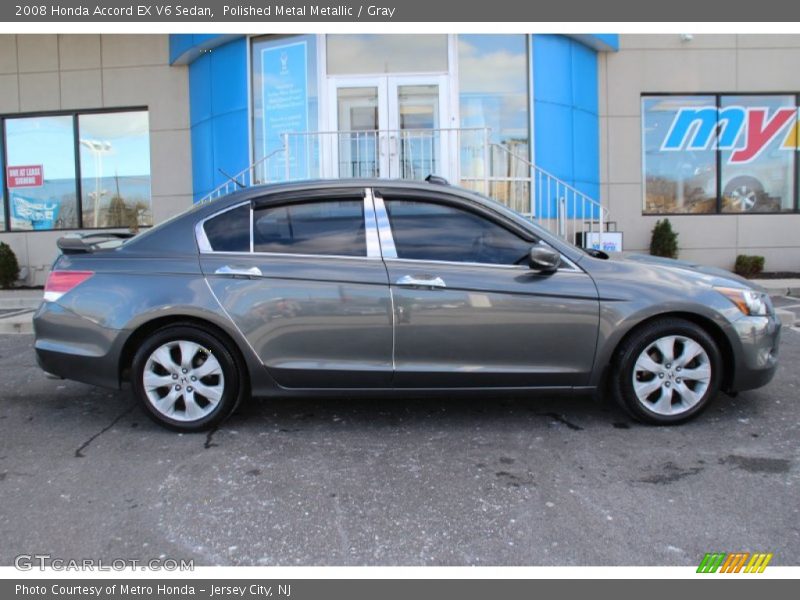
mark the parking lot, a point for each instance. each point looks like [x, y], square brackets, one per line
[85, 474]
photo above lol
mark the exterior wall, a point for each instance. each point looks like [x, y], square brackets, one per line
[63, 72]
[706, 63]
[565, 111]
[219, 115]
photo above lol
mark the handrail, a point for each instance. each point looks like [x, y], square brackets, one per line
[223, 188]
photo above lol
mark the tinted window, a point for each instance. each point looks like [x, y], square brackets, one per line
[424, 231]
[329, 228]
[230, 231]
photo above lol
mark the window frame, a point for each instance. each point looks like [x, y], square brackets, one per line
[795, 169]
[75, 114]
[298, 197]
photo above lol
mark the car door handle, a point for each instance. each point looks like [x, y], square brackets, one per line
[238, 271]
[429, 282]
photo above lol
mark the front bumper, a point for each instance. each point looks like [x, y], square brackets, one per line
[757, 358]
[72, 347]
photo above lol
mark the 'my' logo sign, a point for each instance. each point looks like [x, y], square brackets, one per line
[745, 131]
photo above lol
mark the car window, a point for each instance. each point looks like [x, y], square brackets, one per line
[326, 228]
[230, 231]
[428, 231]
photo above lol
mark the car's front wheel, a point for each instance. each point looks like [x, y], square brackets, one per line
[186, 378]
[667, 371]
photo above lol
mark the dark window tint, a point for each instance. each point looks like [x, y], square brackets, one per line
[230, 231]
[425, 231]
[328, 228]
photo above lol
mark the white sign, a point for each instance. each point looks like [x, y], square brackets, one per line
[611, 241]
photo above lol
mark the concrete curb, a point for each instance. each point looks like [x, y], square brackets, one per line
[787, 317]
[21, 303]
[17, 323]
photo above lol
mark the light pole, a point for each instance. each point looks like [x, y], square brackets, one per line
[97, 148]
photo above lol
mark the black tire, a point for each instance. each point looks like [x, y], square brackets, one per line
[233, 377]
[625, 371]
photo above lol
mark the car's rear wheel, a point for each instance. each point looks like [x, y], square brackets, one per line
[667, 371]
[186, 378]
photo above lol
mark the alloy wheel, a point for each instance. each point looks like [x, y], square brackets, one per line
[671, 375]
[183, 380]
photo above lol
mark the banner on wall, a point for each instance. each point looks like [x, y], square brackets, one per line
[33, 213]
[285, 91]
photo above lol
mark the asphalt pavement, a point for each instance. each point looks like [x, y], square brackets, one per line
[85, 474]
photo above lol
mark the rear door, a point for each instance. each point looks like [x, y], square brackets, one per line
[302, 278]
[468, 310]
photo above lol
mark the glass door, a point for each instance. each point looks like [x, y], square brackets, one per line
[388, 126]
[360, 115]
[418, 135]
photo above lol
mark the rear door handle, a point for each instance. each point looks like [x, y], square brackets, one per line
[429, 282]
[238, 271]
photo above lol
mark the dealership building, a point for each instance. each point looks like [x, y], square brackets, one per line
[594, 136]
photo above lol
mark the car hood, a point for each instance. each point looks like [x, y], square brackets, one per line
[710, 275]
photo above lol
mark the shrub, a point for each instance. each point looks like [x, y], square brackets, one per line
[664, 241]
[748, 265]
[9, 267]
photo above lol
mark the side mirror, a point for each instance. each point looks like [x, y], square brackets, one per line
[544, 259]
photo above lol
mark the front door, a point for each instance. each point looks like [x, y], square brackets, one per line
[469, 312]
[389, 126]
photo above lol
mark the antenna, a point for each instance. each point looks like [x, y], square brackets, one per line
[236, 181]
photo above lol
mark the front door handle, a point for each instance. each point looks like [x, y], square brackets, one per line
[428, 282]
[238, 271]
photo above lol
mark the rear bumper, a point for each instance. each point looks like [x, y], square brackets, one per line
[757, 360]
[72, 347]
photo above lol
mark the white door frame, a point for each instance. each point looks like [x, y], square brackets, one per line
[388, 113]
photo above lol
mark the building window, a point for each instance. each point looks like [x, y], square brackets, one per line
[360, 53]
[77, 170]
[493, 93]
[40, 173]
[115, 169]
[719, 153]
[284, 83]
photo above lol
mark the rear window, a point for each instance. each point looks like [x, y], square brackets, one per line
[324, 228]
[230, 231]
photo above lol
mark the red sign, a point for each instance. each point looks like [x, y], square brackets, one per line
[25, 176]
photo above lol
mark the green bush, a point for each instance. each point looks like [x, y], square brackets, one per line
[9, 267]
[748, 265]
[664, 241]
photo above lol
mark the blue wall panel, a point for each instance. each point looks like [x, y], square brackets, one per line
[219, 115]
[566, 124]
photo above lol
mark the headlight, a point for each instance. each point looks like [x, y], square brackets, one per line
[750, 302]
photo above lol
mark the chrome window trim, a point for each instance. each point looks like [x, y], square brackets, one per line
[200, 233]
[388, 248]
[387, 241]
[571, 269]
[370, 226]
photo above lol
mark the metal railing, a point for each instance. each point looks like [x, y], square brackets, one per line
[466, 155]
[547, 200]
[247, 177]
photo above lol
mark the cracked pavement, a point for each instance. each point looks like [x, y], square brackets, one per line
[84, 473]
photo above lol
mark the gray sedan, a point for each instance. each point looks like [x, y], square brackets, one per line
[386, 287]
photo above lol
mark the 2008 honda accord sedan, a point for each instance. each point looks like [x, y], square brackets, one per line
[379, 287]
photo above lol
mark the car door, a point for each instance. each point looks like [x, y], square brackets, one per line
[468, 310]
[302, 278]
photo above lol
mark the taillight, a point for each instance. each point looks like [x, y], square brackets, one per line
[60, 282]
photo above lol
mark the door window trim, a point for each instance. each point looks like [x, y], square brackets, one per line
[370, 229]
[390, 250]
